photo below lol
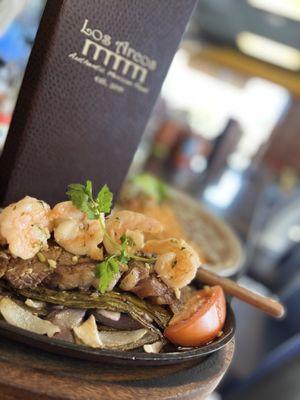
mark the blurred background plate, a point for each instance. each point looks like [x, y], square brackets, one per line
[216, 240]
[184, 217]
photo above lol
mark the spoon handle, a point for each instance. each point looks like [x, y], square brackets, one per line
[265, 304]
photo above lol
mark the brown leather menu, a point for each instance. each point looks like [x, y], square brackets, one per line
[94, 74]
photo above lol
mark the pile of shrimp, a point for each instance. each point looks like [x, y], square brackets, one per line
[27, 225]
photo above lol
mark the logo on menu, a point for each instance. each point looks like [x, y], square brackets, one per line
[117, 64]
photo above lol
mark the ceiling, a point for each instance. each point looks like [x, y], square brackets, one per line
[220, 22]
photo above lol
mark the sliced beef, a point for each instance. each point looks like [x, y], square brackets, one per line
[54, 267]
[137, 272]
[168, 298]
[4, 261]
[145, 284]
[69, 259]
[24, 274]
[66, 277]
[155, 290]
[73, 272]
[53, 253]
[30, 273]
[150, 287]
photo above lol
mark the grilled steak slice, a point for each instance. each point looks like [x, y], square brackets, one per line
[4, 261]
[30, 273]
[155, 290]
[150, 287]
[55, 266]
[69, 259]
[26, 274]
[66, 277]
[137, 271]
[73, 272]
[167, 298]
[143, 283]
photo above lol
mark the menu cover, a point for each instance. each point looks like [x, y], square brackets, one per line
[94, 74]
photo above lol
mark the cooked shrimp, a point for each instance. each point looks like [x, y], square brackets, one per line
[25, 226]
[131, 224]
[2, 239]
[177, 261]
[75, 232]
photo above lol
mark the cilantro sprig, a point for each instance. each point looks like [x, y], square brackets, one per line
[110, 267]
[106, 271]
[82, 197]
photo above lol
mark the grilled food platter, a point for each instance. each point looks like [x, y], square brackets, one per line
[110, 291]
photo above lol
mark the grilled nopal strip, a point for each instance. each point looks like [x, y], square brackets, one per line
[112, 301]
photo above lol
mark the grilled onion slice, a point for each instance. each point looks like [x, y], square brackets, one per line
[21, 318]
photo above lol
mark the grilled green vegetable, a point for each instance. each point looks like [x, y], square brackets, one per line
[112, 301]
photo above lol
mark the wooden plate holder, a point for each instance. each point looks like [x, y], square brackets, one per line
[30, 374]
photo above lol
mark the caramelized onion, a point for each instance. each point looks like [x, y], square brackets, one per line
[21, 318]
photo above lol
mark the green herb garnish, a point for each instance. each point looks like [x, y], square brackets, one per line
[83, 199]
[110, 266]
[106, 272]
[124, 255]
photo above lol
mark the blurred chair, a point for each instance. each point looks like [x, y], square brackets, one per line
[281, 331]
[265, 348]
[276, 378]
[291, 298]
[224, 144]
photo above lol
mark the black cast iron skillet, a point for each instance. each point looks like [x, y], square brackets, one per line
[169, 355]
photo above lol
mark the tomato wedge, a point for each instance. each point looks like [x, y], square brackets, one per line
[201, 319]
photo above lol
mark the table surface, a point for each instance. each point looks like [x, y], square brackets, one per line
[31, 374]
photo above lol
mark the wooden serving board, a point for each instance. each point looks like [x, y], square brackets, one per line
[31, 374]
